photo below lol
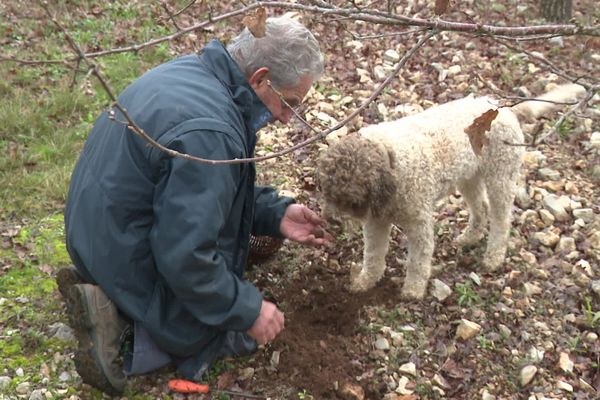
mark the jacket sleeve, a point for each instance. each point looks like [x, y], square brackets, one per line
[269, 209]
[192, 203]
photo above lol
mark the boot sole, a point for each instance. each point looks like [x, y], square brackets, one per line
[87, 363]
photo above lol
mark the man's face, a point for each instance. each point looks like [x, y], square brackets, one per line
[275, 98]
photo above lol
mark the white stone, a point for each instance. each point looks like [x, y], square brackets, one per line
[591, 337]
[275, 358]
[440, 290]
[527, 374]
[585, 266]
[566, 245]
[529, 215]
[565, 363]
[562, 385]
[534, 159]
[23, 388]
[536, 355]
[391, 56]
[528, 257]
[467, 329]
[549, 174]
[409, 369]
[382, 344]
[475, 278]
[548, 238]
[595, 140]
[531, 289]
[504, 331]
[439, 380]
[547, 217]
[38, 394]
[455, 69]
[401, 389]
[4, 382]
[487, 396]
[522, 197]
[586, 214]
[556, 206]
[379, 73]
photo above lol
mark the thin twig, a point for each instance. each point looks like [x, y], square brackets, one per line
[520, 99]
[170, 14]
[383, 35]
[140, 132]
[191, 3]
[243, 395]
[33, 62]
[370, 15]
[591, 92]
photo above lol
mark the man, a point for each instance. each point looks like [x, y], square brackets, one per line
[163, 241]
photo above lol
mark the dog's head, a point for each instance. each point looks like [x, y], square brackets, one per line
[355, 177]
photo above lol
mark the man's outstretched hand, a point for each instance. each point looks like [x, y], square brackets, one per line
[268, 325]
[301, 224]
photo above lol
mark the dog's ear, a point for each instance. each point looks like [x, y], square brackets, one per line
[384, 186]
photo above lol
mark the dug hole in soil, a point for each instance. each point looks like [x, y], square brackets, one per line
[324, 348]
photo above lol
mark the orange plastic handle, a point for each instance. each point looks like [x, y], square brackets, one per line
[183, 386]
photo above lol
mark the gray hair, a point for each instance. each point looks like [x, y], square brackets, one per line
[288, 49]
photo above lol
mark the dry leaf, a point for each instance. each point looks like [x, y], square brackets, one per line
[256, 23]
[225, 380]
[478, 128]
[592, 43]
[441, 6]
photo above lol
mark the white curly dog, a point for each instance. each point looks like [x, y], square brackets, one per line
[394, 172]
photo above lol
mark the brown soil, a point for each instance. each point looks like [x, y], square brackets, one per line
[322, 345]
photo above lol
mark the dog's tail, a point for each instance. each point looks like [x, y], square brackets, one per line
[532, 109]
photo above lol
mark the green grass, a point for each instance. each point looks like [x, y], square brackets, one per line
[44, 120]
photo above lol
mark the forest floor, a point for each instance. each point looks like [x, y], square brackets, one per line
[537, 317]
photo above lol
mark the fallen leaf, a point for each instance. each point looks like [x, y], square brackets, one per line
[441, 6]
[47, 269]
[225, 380]
[592, 44]
[256, 23]
[476, 131]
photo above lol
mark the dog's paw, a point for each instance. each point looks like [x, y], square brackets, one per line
[361, 283]
[414, 290]
[469, 238]
[492, 261]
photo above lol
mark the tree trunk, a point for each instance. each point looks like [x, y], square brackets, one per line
[556, 10]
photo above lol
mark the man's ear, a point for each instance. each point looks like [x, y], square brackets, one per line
[258, 80]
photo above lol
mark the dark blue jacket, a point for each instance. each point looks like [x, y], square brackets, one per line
[167, 239]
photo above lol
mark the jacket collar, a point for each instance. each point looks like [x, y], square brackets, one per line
[255, 113]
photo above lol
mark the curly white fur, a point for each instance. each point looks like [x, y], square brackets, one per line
[428, 155]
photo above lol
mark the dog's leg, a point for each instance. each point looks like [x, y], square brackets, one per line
[420, 251]
[500, 212]
[474, 193]
[376, 242]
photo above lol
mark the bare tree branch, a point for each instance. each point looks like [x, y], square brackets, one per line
[591, 92]
[367, 15]
[140, 132]
[170, 14]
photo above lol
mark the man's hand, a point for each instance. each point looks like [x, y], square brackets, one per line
[301, 224]
[268, 325]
